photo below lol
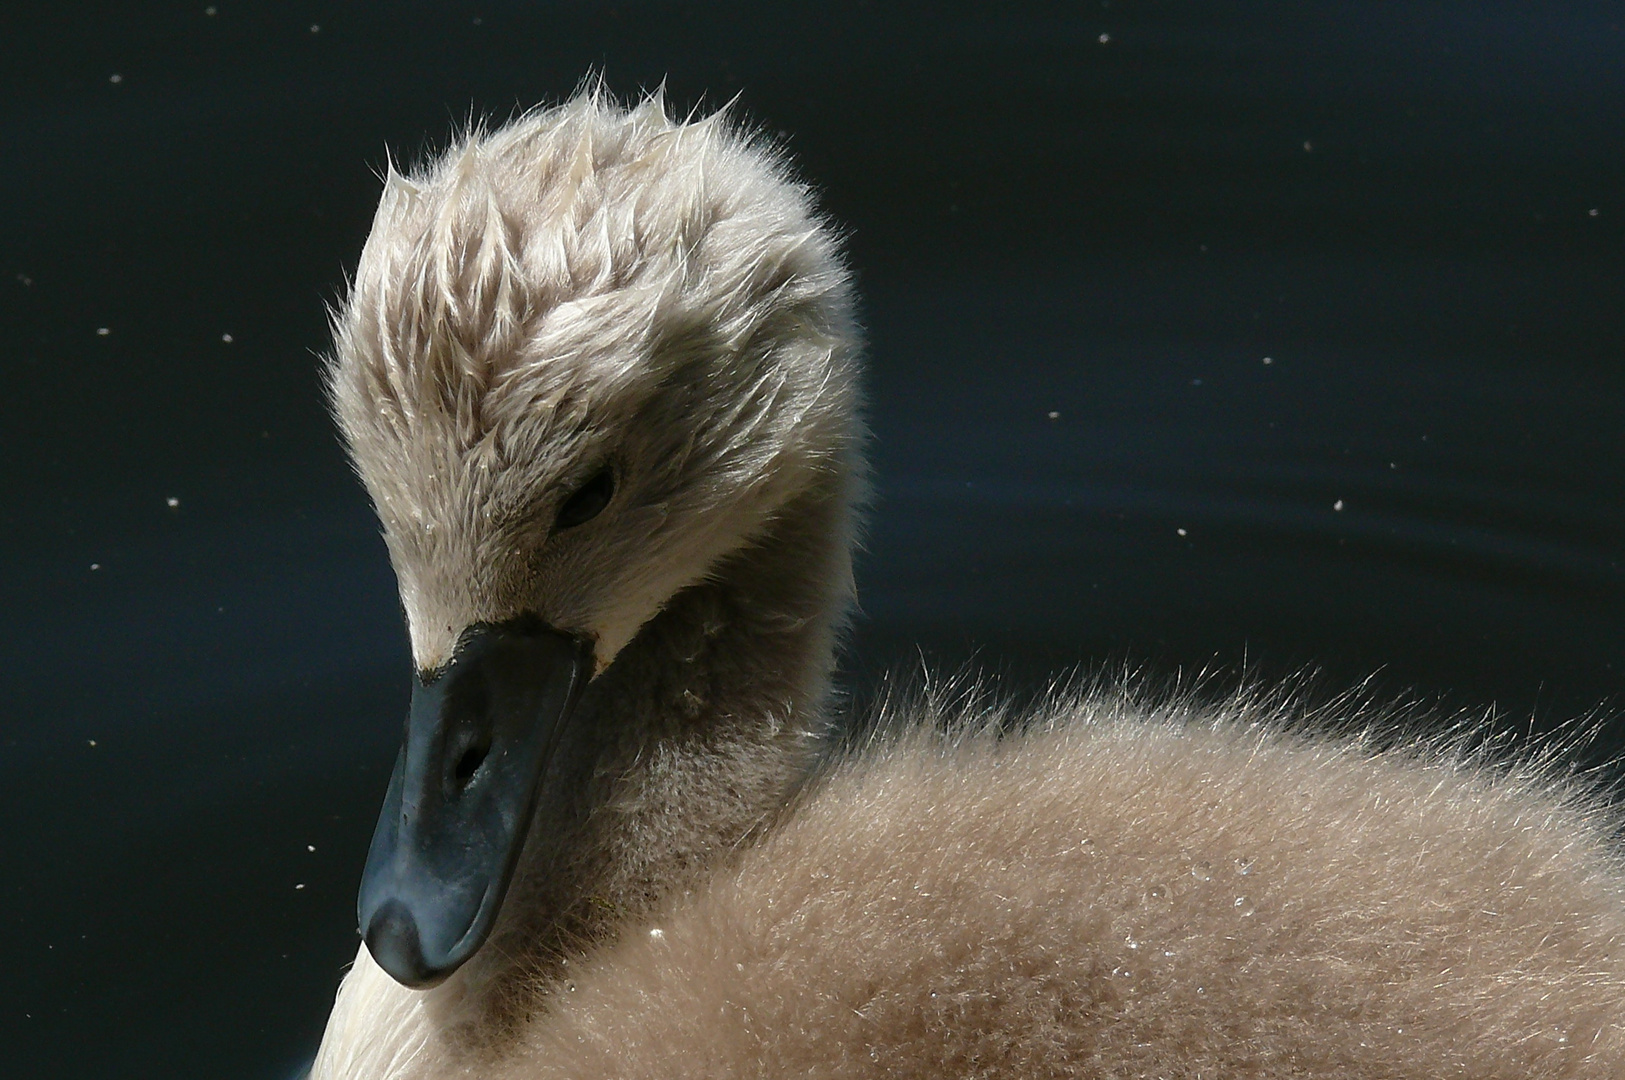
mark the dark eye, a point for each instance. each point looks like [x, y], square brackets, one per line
[588, 501]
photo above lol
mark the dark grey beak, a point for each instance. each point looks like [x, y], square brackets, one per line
[479, 737]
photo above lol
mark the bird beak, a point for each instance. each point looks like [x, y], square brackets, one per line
[479, 737]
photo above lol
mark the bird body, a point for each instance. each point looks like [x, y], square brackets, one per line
[598, 373]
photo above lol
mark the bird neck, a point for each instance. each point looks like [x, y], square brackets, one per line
[691, 742]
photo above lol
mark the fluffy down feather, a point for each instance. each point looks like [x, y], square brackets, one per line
[1119, 889]
[1124, 890]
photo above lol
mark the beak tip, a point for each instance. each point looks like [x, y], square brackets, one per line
[393, 940]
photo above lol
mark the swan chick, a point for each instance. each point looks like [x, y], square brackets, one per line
[598, 372]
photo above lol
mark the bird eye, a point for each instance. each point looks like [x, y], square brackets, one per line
[588, 501]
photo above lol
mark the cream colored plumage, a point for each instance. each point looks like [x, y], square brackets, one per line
[1126, 888]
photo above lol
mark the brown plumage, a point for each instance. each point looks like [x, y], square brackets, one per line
[1122, 888]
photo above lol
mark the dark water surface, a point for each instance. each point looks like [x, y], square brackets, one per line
[1080, 230]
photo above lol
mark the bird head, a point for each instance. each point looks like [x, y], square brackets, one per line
[584, 357]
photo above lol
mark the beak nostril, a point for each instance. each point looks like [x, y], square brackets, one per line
[470, 763]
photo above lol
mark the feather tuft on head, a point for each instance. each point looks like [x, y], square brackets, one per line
[589, 286]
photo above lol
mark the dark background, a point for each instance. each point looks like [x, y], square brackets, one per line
[1079, 229]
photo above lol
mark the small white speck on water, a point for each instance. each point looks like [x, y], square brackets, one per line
[657, 934]
[310, 847]
[25, 280]
[478, 21]
[90, 742]
[103, 331]
[172, 502]
[1196, 382]
[115, 78]
[315, 28]
[95, 566]
[1053, 415]
[1268, 360]
[1105, 39]
[1181, 532]
[1308, 147]
[210, 10]
[227, 338]
[1592, 212]
[301, 885]
[1338, 505]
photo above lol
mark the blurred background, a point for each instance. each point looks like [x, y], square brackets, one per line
[1261, 337]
